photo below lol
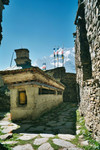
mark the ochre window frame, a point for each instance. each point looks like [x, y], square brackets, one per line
[21, 98]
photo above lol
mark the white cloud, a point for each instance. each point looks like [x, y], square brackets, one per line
[69, 60]
[35, 63]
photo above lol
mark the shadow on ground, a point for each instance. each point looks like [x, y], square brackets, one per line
[2, 114]
[60, 120]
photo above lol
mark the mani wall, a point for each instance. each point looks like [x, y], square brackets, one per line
[69, 80]
[87, 55]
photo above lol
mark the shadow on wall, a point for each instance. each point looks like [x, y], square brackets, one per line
[60, 120]
[4, 99]
[78, 92]
[69, 80]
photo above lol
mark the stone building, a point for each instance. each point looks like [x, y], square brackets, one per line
[87, 55]
[2, 3]
[32, 91]
[69, 80]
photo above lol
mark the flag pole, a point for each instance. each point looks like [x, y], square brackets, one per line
[62, 57]
[57, 57]
[54, 56]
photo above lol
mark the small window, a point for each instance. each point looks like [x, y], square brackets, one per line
[22, 98]
[46, 91]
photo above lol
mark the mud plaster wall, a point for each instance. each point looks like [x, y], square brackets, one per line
[36, 104]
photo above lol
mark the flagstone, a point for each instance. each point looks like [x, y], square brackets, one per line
[66, 136]
[10, 142]
[47, 135]
[27, 136]
[4, 123]
[8, 129]
[63, 143]
[5, 136]
[70, 149]
[23, 147]
[45, 146]
[40, 141]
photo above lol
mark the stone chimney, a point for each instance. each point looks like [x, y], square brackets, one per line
[22, 58]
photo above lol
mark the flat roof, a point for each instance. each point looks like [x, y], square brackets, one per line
[32, 70]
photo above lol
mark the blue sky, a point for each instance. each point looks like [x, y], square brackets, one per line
[38, 25]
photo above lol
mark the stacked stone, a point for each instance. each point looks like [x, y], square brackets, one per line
[4, 99]
[69, 80]
[92, 17]
[89, 89]
[2, 3]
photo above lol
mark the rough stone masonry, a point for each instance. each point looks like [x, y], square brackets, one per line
[2, 3]
[87, 55]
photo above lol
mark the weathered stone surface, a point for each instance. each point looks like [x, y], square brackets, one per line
[69, 80]
[8, 129]
[23, 147]
[28, 136]
[4, 123]
[10, 142]
[84, 143]
[47, 135]
[87, 59]
[45, 146]
[66, 136]
[5, 136]
[70, 149]
[40, 141]
[63, 143]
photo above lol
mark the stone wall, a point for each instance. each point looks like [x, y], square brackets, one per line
[2, 3]
[4, 99]
[87, 55]
[69, 80]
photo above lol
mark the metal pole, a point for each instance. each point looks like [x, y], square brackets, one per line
[11, 59]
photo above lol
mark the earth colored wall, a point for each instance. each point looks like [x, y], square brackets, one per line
[36, 104]
[87, 55]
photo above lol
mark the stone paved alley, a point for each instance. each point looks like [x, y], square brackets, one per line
[53, 131]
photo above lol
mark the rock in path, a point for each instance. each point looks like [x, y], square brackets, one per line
[40, 141]
[66, 136]
[10, 142]
[47, 135]
[45, 146]
[28, 136]
[63, 143]
[23, 147]
[6, 136]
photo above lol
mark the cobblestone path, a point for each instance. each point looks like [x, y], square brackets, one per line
[52, 131]
[60, 120]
